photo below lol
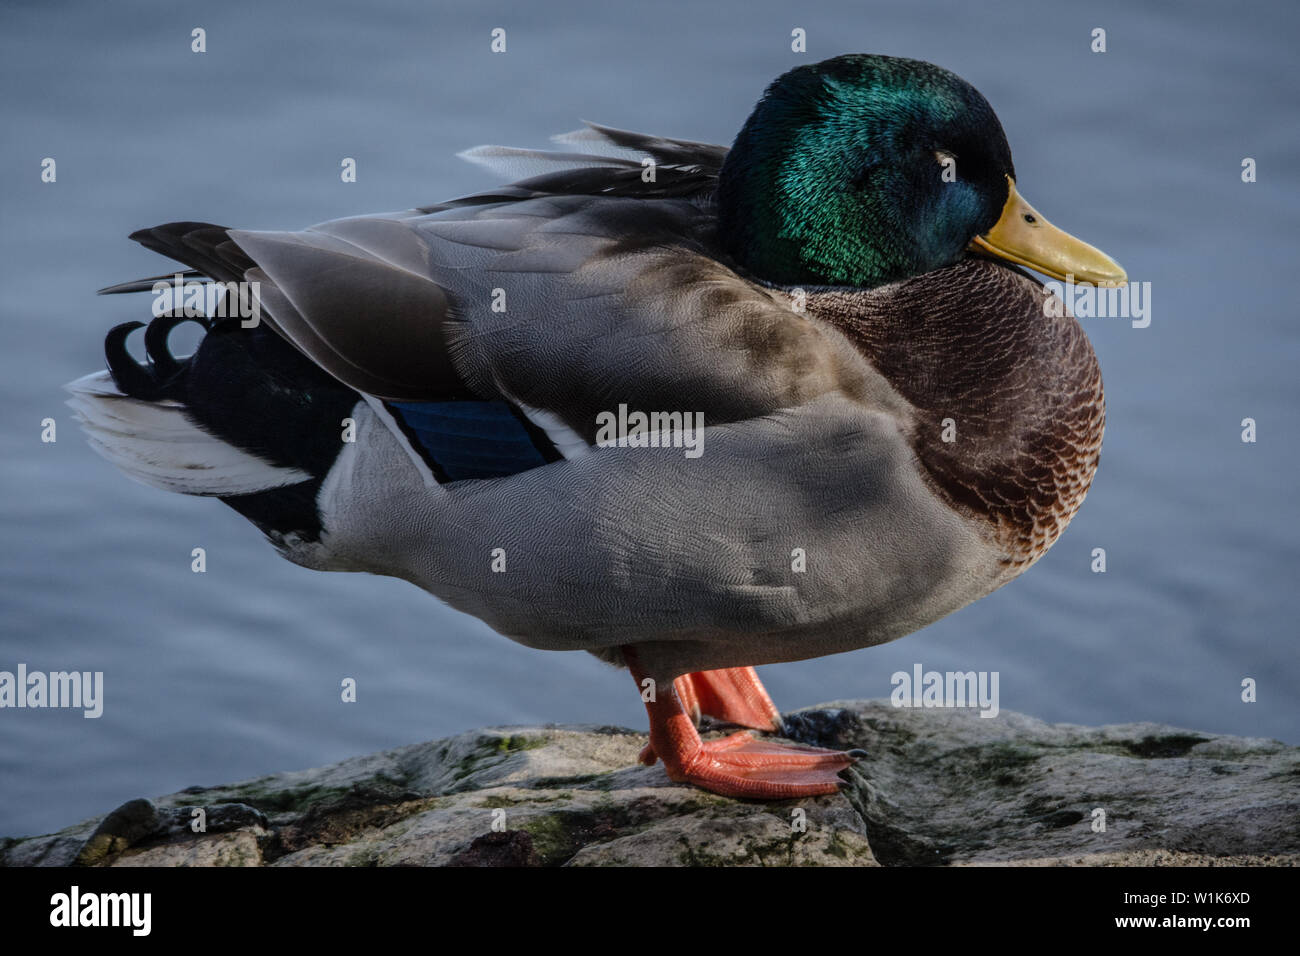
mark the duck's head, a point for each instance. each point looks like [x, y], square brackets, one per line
[862, 170]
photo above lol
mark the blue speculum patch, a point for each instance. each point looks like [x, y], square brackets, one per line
[468, 439]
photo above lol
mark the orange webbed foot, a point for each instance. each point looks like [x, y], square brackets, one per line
[739, 765]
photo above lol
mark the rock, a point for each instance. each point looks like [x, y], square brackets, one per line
[242, 848]
[139, 821]
[938, 787]
[129, 824]
[503, 848]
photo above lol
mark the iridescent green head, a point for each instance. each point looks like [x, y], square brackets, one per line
[862, 170]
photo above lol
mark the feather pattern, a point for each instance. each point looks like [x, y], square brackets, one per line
[489, 334]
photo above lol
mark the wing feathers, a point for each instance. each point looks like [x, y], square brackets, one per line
[383, 321]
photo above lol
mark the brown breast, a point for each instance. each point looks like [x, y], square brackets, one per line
[1023, 390]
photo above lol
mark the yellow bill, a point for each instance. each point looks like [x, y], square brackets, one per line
[1024, 237]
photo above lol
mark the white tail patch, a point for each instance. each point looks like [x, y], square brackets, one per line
[155, 443]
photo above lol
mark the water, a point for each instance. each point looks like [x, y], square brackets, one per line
[236, 672]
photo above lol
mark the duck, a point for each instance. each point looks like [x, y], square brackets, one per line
[892, 425]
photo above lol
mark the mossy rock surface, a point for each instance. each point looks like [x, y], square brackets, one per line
[937, 787]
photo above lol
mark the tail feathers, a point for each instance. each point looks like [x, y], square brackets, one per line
[155, 442]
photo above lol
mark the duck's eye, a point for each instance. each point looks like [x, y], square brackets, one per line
[1030, 219]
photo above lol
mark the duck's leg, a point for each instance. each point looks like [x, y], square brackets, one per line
[734, 694]
[734, 766]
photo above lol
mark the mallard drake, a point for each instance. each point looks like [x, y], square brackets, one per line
[893, 425]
